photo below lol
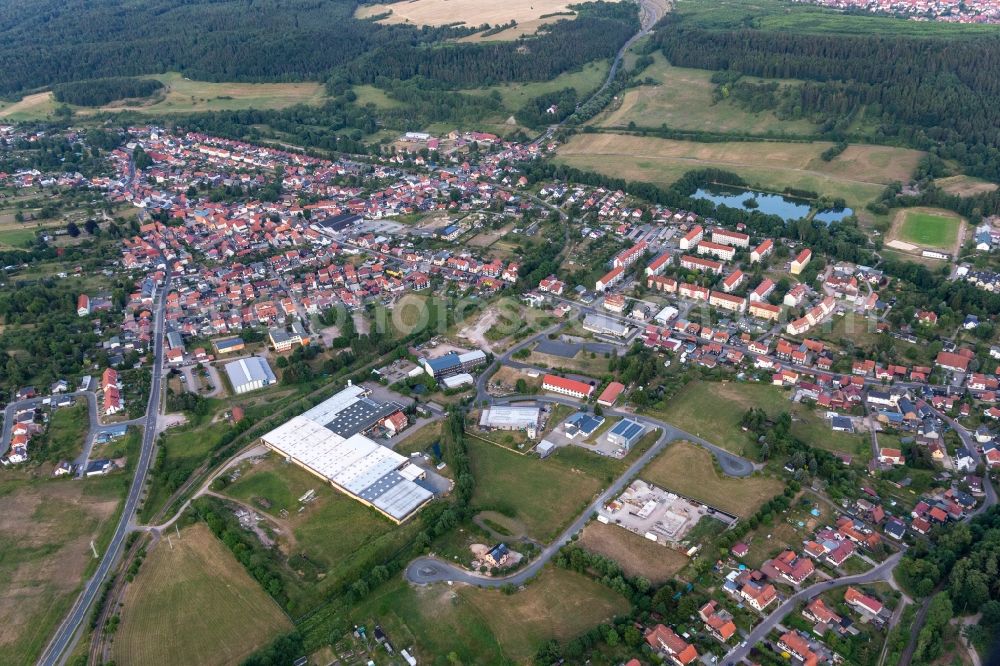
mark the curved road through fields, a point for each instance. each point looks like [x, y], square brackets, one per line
[427, 570]
[65, 635]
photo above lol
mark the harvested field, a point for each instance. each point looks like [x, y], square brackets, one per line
[183, 95]
[683, 100]
[45, 553]
[965, 186]
[637, 556]
[470, 12]
[688, 469]
[193, 603]
[858, 175]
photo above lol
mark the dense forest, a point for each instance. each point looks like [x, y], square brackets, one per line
[53, 41]
[98, 92]
[930, 93]
[598, 32]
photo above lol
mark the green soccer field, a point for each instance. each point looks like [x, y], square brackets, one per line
[929, 229]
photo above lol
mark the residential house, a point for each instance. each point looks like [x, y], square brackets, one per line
[663, 639]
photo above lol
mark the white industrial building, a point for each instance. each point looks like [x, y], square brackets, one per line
[249, 374]
[666, 315]
[459, 380]
[511, 418]
[357, 466]
[596, 323]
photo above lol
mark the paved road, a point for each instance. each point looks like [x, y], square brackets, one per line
[66, 634]
[427, 570]
[92, 415]
[881, 572]
[649, 14]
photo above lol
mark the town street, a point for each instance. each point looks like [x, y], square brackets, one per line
[66, 635]
[881, 572]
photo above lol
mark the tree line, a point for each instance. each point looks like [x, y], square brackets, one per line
[959, 562]
[98, 92]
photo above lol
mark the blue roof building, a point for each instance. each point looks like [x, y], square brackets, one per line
[626, 433]
[582, 423]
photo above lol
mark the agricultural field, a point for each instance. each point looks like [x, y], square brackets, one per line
[192, 602]
[515, 95]
[965, 186]
[858, 175]
[182, 95]
[47, 526]
[682, 100]
[689, 470]
[637, 555]
[927, 227]
[544, 495]
[484, 626]
[529, 14]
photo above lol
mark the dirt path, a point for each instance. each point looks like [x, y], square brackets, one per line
[962, 623]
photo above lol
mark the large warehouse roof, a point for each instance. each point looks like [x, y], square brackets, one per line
[361, 416]
[355, 464]
[249, 370]
[509, 417]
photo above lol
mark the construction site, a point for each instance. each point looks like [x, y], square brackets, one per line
[657, 514]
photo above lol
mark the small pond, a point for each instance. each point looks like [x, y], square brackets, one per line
[785, 207]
